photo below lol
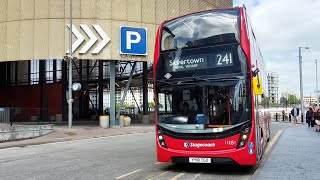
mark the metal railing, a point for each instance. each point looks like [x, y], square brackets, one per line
[10, 115]
[5, 116]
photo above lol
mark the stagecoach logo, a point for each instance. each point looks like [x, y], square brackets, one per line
[199, 145]
[186, 144]
[187, 63]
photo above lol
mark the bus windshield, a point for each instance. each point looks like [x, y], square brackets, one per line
[204, 104]
[201, 29]
[201, 75]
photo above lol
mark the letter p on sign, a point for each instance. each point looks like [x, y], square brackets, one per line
[133, 40]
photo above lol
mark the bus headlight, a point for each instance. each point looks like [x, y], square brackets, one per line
[161, 139]
[244, 137]
[244, 134]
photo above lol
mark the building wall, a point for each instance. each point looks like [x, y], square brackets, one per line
[309, 101]
[28, 98]
[273, 87]
[37, 29]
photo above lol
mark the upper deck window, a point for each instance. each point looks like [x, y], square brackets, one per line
[201, 29]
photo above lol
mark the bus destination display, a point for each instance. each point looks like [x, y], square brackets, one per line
[199, 62]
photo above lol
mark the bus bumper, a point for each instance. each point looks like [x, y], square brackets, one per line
[240, 156]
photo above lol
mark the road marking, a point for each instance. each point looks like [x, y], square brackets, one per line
[196, 176]
[178, 176]
[163, 173]
[158, 163]
[149, 177]
[128, 174]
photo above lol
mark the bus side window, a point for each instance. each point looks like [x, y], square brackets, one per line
[165, 103]
[168, 42]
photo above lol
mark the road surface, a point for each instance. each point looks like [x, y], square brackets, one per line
[129, 156]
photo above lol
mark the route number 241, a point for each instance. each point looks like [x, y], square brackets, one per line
[224, 59]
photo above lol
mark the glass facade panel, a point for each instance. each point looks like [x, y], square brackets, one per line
[34, 72]
[49, 71]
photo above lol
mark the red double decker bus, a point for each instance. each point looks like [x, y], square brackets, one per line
[210, 81]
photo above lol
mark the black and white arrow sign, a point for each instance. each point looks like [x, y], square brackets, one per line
[92, 41]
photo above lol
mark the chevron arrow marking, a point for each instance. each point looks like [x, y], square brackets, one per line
[105, 39]
[79, 37]
[93, 39]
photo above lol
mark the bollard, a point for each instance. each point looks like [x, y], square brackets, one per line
[121, 120]
[289, 117]
[276, 116]
[104, 121]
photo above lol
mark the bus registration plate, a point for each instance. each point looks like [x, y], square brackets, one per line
[199, 160]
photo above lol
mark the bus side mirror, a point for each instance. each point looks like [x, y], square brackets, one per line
[257, 86]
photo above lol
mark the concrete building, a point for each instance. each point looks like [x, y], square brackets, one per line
[309, 101]
[273, 87]
[34, 40]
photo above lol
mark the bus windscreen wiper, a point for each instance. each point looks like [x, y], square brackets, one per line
[163, 81]
[177, 82]
[215, 79]
[165, 28]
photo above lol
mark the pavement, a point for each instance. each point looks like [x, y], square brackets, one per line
[296, 155]
[63, 133]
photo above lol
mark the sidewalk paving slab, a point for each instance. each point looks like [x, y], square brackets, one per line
[62, 133]
[296, 155]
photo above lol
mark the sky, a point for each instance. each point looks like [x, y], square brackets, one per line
[280, 27]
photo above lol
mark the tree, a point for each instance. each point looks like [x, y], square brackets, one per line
[151, 104]
[274, 105]
[117, 106]
[284, 101]
[294, 99]
[125, 105]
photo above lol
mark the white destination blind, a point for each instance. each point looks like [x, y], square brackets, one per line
[187, 63]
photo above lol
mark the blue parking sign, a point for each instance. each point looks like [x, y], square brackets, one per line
[133, 40]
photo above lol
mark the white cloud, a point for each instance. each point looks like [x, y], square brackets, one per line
[281, 26]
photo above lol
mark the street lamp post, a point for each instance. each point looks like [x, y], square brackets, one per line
[317, 84]
[301, 82]
[70, 100]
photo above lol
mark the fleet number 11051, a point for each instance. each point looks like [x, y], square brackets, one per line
[230, 142]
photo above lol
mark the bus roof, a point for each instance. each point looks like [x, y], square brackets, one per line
[217, 9]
